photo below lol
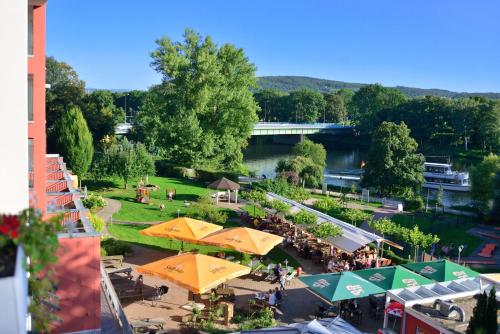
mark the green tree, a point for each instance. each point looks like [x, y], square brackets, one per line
[439, 197]
[483, 179]
[204, 112]
[128, 161]
[335, 108]
[356, 216]
[272, 105]
[491, 322]
[66, 90]
[101, 113]
[74, 141]
[306, 105]
[309, 149]
[477, 323]
[368, 103]
[393, 165]
[488, 124]
[495, 210]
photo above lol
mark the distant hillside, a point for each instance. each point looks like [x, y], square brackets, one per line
[289, 83]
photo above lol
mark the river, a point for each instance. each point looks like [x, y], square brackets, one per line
[263, 156]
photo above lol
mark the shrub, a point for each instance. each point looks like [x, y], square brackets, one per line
[94, 201]
[304, 218]
[205, 210]
[326, 205]
[116, 247]
[297, 194]
[103, 252]
[413, 204]
[279, 206]
[261, 319]
[325, 230]
[356, 216]
[97, 222]
[255, 196]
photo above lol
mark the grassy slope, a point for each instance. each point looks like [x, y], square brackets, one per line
[135, 212]
[450, 229]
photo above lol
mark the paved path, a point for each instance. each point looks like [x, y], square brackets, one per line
[489, 235]
[107, 212]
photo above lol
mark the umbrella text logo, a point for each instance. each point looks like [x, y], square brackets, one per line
[377, 277]
[409, 282]
[177, 268]
[355, 289]
[234, 239]
[460, 274]
[427, 270]
[216, 269]
[172, 229]
[322, 283]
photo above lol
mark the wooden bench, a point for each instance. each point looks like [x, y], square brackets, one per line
[112, 260]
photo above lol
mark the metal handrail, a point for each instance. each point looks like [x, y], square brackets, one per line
[114, 302]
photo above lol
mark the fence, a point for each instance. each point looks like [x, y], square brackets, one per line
[114, 302]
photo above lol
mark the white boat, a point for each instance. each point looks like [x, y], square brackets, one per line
[438, 175]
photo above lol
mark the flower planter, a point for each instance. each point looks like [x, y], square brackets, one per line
[14, 295]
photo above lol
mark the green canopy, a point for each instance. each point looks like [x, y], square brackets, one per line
[340, 286]
[441, 270]
[389, 278]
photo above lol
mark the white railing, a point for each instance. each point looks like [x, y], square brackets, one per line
[114, 302]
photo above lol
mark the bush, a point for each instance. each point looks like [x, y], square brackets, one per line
[97, 222]
[327, 204]
[205, 210]
[297, 194]
[116, 247]
[94, 201]
[413, 204]
[325, 230]
[279, 206]
[261, 319]
[103, 252]
[304, 218]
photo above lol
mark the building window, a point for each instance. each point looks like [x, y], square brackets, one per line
[30, 98]
[30, 30]
[31, 153]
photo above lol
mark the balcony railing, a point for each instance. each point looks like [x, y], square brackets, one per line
[31, 179]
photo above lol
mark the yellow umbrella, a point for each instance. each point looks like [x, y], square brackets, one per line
[243, 239]
[183, 229]
[196, 272]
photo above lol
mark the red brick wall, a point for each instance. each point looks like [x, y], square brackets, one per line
[36, 129]
[78, 273]
[412, 323]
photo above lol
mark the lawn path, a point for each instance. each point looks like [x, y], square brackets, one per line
[107, 212]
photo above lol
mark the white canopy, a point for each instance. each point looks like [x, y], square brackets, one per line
[352, 237]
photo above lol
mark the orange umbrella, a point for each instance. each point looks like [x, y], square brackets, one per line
[243, 239]
[196, 272]
[184, 229]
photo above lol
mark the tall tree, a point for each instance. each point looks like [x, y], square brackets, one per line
[495, 210]
[74, 140]
[335, 108]
[367, 104]
[204, 112]
[306, 105]
[483, 179]
[101, 113]
[314, 151]
[272, 105]
[393, 165]
[66, 90]
[488, 124]
[128, 161]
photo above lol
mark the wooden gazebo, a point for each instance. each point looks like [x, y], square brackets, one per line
[225, 184]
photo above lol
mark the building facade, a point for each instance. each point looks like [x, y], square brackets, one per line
[33, 178]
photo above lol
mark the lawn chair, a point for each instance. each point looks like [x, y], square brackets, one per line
[290, 277]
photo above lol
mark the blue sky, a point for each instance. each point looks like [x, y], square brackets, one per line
[449, 44]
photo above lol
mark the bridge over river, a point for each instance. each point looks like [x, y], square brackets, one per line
[275, 128]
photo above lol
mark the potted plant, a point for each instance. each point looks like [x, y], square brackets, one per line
[23, 237]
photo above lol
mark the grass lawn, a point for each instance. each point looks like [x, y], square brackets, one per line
[130, 233]
[139, 212]
[451, 229]
[249, 208]
[350, 200]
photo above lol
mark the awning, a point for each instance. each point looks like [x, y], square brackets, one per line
[441, 270]
[389, 278]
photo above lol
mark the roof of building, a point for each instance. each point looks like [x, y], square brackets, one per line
[318, 326]
[224, 184]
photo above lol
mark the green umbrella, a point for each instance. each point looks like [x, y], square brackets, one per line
[340, 286]
[441, 270]
[389, 278]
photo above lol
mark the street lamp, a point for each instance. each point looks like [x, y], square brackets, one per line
[460, 249]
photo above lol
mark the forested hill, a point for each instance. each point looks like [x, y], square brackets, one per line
[291, 83]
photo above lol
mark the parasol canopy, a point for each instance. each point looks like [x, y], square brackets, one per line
[441, 270]
[395, 277]
[196, 272]
[340, 286]
[224, 184]
[183, 229]
[243, 239]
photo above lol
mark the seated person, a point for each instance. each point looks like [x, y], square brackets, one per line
[139, 284]
[330, 266]
[271, 301]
